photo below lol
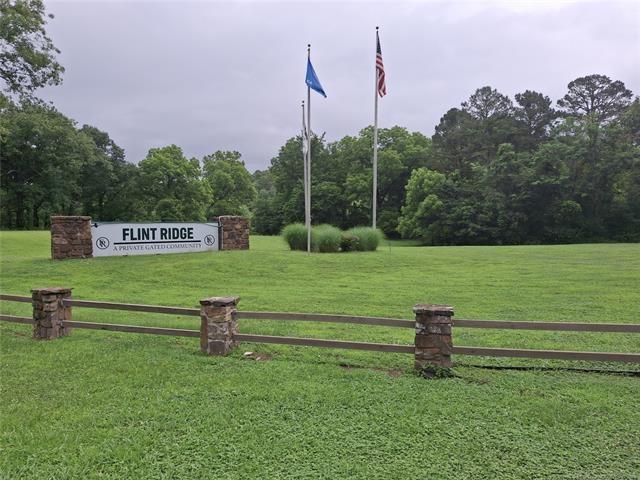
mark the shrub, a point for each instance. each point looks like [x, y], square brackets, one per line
[349, 242]
[326, 238]
[295, 235]
[369, 238]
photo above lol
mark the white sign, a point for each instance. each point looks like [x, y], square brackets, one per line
[111, 239]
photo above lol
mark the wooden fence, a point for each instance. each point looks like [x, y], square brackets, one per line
[430, 327]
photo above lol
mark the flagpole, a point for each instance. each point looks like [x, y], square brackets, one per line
[309, 158]
[304, 161]
[375, 140]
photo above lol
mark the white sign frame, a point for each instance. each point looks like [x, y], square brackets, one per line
[149, 238]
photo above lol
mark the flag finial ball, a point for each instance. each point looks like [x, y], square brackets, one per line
[377, 27]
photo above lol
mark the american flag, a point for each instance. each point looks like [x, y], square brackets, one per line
[382, 86]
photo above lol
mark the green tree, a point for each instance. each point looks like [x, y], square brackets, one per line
[171, 187]
[341, 178]
[232, 188]
[548, 190]
[535, 115]
[107, 181]
[486, 103]
[41, 158]
[593, 156]
[287, 172]
[27, 54]
[490, 123]
[455, 142]
[596, 96]
[506, 192]
[630, 123]
[424, 212]
[263, 182]
[352, 170]
[623, 143]
[266, 218]
[399, 152]
[357, 195]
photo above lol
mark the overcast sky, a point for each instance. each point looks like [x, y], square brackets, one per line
[230, 75]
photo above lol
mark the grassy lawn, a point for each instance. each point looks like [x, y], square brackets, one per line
[114, 405]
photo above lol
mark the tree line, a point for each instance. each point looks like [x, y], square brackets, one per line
[496, 170]
[50, 166]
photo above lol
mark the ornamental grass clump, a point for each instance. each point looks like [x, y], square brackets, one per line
[326, 238]
[295, 235]
[368, 238]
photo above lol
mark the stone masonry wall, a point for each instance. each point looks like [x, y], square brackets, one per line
[235, 233]
[71, 237]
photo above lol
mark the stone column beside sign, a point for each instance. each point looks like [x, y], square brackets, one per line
[71, 237]
[433, 343]
[218, 325]
[235, 232]
[49, 312]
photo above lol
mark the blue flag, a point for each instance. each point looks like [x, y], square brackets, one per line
[312, 80]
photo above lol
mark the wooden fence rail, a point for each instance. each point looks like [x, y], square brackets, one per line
[554, 326]
[14, 319]
[548, 354]
[15, 298]
[132, 307]
[345, 319]
[114, 327]
[320, 317]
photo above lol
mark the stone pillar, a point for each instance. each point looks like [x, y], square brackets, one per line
[218, 325]
[433, 336]
[49, 312]
[235, 232]
[71, 237]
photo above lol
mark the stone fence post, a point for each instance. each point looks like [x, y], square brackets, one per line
[433, 336]
[218, 325]
[49, 312]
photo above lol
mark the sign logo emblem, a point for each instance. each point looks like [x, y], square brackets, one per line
[102, 243]
[209, 240]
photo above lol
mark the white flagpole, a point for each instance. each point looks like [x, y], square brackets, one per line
[375, 138]
[305, 151]
[309, 160]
